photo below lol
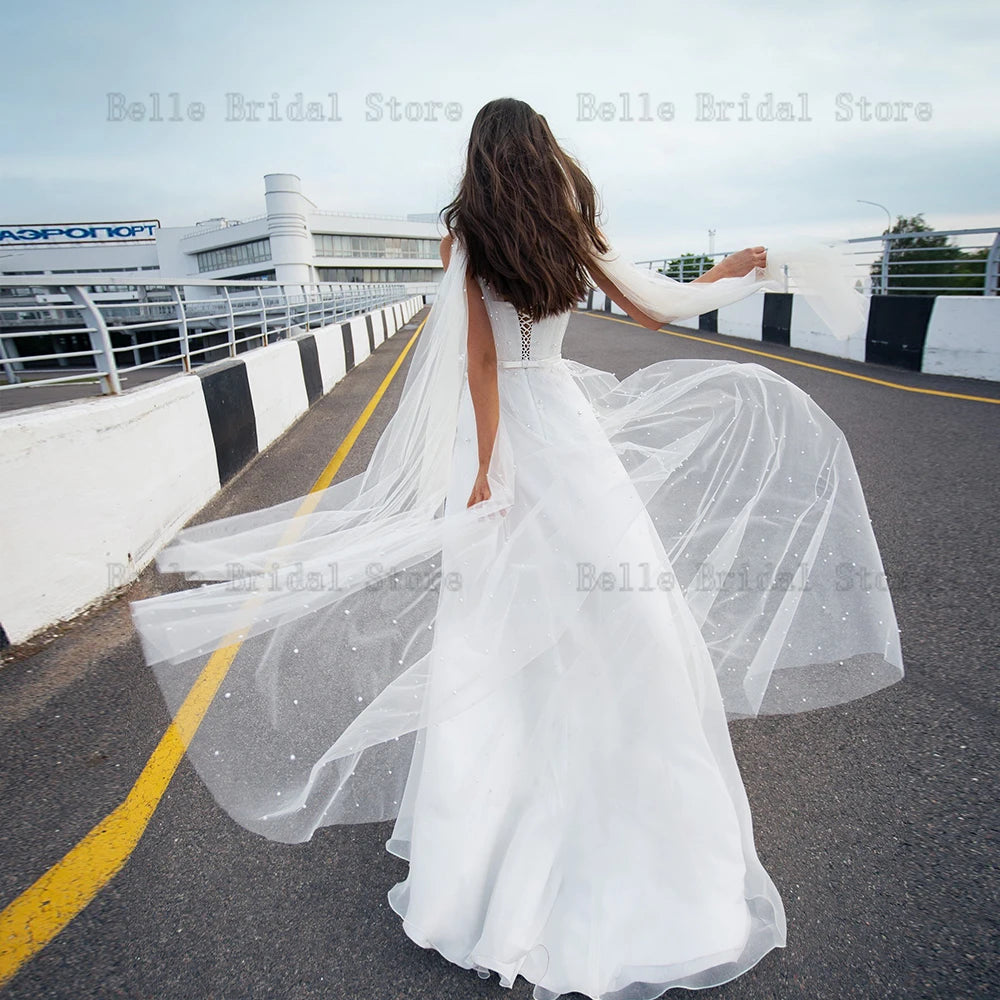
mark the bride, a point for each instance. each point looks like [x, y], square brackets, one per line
[519, 634]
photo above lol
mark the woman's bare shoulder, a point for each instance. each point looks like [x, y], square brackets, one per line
[445, 248]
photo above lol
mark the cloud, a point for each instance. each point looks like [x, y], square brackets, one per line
[664, 184]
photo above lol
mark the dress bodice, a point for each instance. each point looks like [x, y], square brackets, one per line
[517, 337]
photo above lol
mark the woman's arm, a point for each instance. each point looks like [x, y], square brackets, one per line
[613, 292]
[733, 266]
[736, 264]
[482, 365]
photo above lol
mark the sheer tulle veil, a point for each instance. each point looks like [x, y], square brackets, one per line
[317, 621]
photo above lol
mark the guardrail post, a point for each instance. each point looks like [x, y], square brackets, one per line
[288, 311]
[992, 276]
[182, 325]
[232, 322]
[263, 313]
[884, 290]
[100, 339]
[12, 377]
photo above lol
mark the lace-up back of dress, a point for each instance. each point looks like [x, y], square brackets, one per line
[517, 336]
[524, 322]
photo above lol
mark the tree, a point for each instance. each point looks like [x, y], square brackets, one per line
[687, 266]
[970, 272]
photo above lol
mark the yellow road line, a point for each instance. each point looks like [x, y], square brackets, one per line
[808, 364]
[36, 916]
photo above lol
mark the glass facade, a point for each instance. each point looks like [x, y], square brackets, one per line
[256, 276]
[243, 253]
[399, 247]
[377, 274]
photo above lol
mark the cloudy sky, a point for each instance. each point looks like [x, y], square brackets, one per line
[68, 156]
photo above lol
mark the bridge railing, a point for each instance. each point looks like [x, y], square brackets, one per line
[55, 332]
[896, 263]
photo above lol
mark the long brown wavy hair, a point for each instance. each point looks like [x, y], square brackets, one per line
[525, 211]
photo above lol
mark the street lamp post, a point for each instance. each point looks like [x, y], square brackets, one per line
[886, 243]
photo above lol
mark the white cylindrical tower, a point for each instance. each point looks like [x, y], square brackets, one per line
[288, 230]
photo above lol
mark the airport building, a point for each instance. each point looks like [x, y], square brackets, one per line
[294, 241]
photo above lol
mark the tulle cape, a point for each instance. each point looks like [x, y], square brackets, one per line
[820, 273]
[316, 620]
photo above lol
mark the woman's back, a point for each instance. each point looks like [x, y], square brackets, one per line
[518, 338]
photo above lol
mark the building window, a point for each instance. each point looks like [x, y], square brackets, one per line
[256, 276]
[378, 274]
[97, 270]
[235, 256]
[397, 247]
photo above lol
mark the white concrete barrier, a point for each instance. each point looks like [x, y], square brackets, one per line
[85, 509]
[963, 337]
[277, 388]
[92, 489]
[953, 335]
[743, 318]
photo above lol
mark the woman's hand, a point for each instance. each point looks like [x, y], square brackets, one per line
[480, 489]
[744, 261]
[736, 264]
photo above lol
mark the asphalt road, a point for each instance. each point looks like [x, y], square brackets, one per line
[877, 819]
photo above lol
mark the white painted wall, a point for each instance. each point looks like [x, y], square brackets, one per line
[330, 350]
[84, 506]
[80, 257]
[963, 337]
[359, 337]
[277, 387]
[691, 323]
[743, 318]
[811, 333]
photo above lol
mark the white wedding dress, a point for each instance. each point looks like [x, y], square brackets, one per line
[585, 827]
[536, 689]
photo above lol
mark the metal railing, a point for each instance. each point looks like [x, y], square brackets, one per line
[686, 267]
[360, 215]
[924, 263]
[102, 329]
[233, 223]
[928, 263]
[219, 226]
